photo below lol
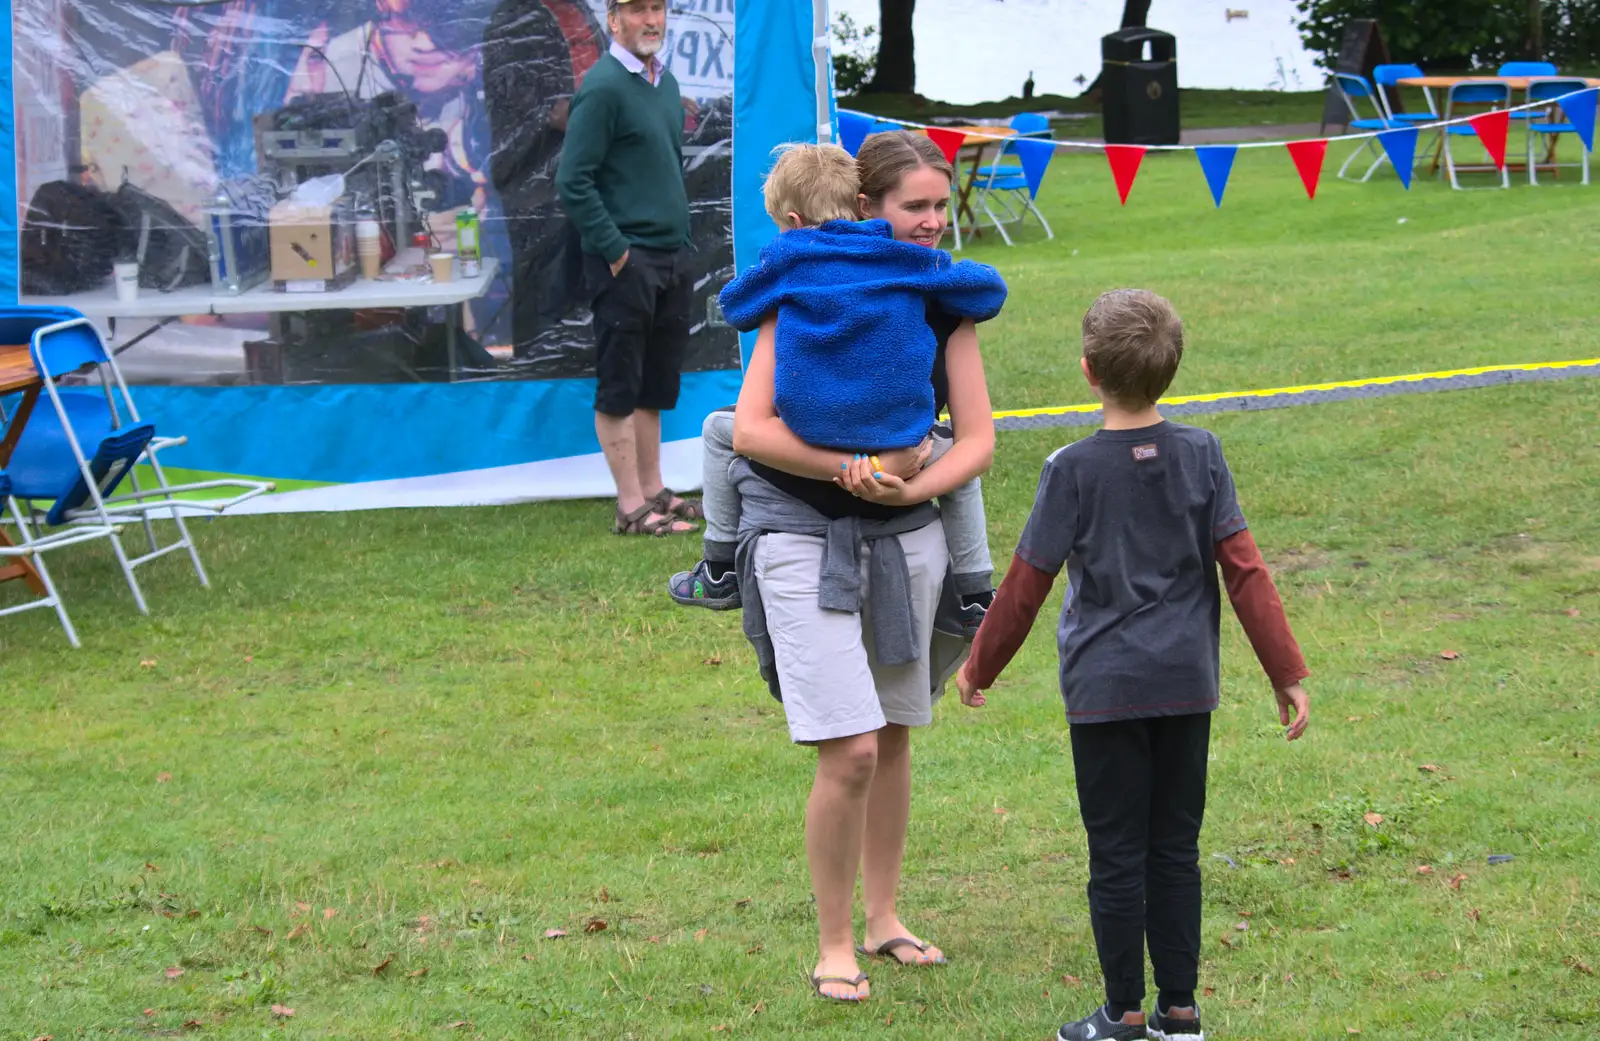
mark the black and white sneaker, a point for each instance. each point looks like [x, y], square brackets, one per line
[1165, 1027]
[698, 589]
[973, 610]
[1101, 1027]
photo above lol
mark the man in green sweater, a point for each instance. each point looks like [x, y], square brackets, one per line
[621, 181]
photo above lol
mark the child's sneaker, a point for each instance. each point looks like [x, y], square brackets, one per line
[1165, 1027]
[1101, 1027]
[698, 589]
[973, 610]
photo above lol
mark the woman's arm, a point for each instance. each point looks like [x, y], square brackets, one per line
[973, 419]
[759, 434]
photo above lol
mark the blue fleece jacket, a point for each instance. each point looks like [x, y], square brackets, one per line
[854, 351]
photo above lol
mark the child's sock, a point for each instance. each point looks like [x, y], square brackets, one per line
[1115, 1010]
[1171, 999]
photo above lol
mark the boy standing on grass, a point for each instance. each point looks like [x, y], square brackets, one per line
[1141, 514]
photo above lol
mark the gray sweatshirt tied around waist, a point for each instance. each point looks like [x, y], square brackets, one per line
[765, 509]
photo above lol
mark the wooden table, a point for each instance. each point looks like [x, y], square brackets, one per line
[976, 141]
[1514, 82]
[18, 374]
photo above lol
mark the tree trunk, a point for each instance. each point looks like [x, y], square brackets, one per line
[1535, 30]
[1134, 15]
[897, 64]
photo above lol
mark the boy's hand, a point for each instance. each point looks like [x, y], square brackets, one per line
[971, 696]
[905, 463]
[865, 481]
[1294, 697]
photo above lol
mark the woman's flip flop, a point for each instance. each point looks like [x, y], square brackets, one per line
[887, 948]
[860, 978]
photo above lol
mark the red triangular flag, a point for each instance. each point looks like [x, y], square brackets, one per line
[1124, 160]
[1491, 128]
[1307, 156]
[949, 142]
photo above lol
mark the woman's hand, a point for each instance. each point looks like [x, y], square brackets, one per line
[863, 480]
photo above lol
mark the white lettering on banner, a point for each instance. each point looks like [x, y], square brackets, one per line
[699, 46]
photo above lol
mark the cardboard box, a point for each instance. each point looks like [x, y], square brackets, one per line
[311, 243]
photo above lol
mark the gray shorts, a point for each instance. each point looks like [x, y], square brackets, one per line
[833, 686]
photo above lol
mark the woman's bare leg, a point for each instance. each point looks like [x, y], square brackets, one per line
[836, 816]
[884, 845]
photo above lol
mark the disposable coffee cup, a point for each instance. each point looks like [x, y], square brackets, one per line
[369, 247]
[126, 276]
[443, 265]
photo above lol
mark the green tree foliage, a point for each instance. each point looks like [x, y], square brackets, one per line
[1461, 34]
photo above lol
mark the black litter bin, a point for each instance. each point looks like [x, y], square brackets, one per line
[1139, 87]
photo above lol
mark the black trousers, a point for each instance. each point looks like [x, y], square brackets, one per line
[641, 329]
[1142, 793]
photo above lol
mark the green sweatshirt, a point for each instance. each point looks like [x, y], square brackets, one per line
[621, 175]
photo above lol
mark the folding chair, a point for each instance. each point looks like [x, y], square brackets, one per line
[31, 550]
[50, 464]
[1545, 125]
[1350, 88]
[1523, 70]
[1494, 93]
[1387, 78]
[1011, 193]
[1025, 124]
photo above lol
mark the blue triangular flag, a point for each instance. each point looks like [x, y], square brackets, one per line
[853, 129]
[1580, 109]
[1217, 163]
[1401, 146]
[1035, 154]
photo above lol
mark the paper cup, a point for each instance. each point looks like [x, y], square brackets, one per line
[443, 265]
[126, 276]
[369, 247]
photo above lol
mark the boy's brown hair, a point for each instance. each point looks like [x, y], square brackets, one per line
[1133, 342]
[817, 182]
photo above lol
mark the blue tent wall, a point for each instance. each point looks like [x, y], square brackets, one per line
[8, 171]
[777, 99]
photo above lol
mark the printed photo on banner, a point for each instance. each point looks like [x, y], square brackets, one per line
[445, 120]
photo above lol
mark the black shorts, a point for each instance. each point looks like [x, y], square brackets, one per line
[641, 329]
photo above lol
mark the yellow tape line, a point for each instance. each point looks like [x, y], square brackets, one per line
[1376, 381]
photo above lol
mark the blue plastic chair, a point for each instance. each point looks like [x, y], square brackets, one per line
[1527, 68]
[1389, 77]
[1352, 88]
[1495, 94]
[76, 455]
[1011, 193]
[31, 548]
[1026, 124]
[1545, 125]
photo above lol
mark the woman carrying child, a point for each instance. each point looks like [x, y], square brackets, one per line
[842, 554]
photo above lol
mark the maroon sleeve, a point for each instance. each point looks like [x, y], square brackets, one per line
[1008, 622]
[1255, 601]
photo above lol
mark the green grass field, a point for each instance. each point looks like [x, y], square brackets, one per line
[362, 776]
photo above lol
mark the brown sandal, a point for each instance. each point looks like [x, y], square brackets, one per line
[860, 978]
[635, 523]
[887, 948]
[687, 509]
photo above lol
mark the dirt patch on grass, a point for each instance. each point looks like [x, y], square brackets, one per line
[1293, 561]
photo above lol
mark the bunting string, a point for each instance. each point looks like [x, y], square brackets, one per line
[1398, 143]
